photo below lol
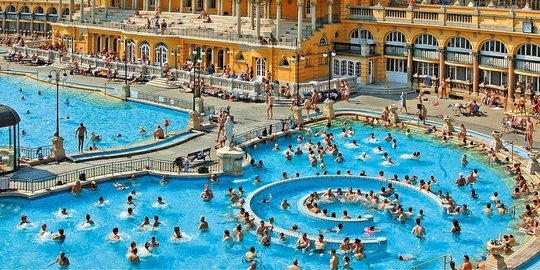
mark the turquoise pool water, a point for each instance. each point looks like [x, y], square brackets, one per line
[106, 116]
[206, 250]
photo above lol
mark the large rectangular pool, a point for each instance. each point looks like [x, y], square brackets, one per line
[108, 117]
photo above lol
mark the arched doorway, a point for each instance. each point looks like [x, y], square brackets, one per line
[260, 66]
[161, 54]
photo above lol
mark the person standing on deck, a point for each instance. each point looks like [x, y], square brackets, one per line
[81, 133]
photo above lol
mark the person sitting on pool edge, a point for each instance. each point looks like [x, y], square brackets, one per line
[158, 133]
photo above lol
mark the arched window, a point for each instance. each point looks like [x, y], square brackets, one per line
[494, 47]
[131, 51]
[144, 52]
[52, 11]
[426, 40]
[284, 62]
[107, 41]
[395, 44]
[260, 65]
[459, 43]
[459, 50]
[65, 12]
[209, 56]
[11, 9]
[530, 50]
[161, 54]
[360, 35]
[240, 57]
[98, 44]
[38, 10]
[221, 58]
[115, 45]
[323, 41]
[396, 37]
[25, 10]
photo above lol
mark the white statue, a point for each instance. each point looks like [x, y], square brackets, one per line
[229, 129]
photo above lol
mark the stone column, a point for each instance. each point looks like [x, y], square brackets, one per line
[93, 11]
[71, 4]
[278, 19]
[157, 5]
[106, 8]
[144, 5]
[313, 15]
[476, 73]
[330, 7]
[193, 6]
[81, 19]
[511, 79]
[442, 65]
[221, 12]
[410, 63]
[251, 3]
[181, 9]
[258, 17]
[59, 10]
[123, 4]
[238, 18]
[205, 5]
[300, 5]
[170, 5]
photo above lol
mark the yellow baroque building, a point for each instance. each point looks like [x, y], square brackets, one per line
[474, 46]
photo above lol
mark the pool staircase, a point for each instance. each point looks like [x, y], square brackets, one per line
[114, 15]
[162, 83]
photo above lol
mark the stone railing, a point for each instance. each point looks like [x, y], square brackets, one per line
[504, 20]
[182, 32]
[253, 89]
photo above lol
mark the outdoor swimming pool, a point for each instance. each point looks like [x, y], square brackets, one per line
[106, 116]
[206, 250]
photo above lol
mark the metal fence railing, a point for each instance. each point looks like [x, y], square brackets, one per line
[35, 153]
[112, 168]
[258, 131]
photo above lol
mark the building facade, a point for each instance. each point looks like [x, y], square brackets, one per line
[473, 46]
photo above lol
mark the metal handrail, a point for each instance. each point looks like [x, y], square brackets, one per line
[47, 182]
[444, 256]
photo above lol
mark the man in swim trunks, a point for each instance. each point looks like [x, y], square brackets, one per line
[62, 260]
[158, 133]
[418, 230]
[81, 133]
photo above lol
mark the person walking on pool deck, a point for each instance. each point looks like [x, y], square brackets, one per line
[81, 133]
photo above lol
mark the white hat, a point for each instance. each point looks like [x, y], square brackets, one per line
[460, 174]
[93, 182]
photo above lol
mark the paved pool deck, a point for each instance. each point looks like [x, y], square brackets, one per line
[250, 115]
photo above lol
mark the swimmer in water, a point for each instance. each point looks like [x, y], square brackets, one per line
[133, 257]
[405, 258]
[418, 230]
[160, 201]
[114, 236]
[176, 233]
[43, 229]
[64, 212]
[142, 131]
[464, 161]
[60, 236]
[203, 225]
[146, 222]
[156, 222]
[153, 242]
[88, 221]
[285, 204]
[24, 220]
[67, 102]
[62, 260]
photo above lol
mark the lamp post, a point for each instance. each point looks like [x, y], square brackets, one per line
[329, 53]
[58, 151]
[57, 74]
[125, 87]
[296, 58]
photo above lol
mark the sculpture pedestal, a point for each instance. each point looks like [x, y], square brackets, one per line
[394, 117]
[230, 160]
[58, 152]
[328, 110]
[533, 164]
[199, 105]
[448, 128]
[494, 259]
[297, 116]
[497, 143]
[126, 92]
[194, 121]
